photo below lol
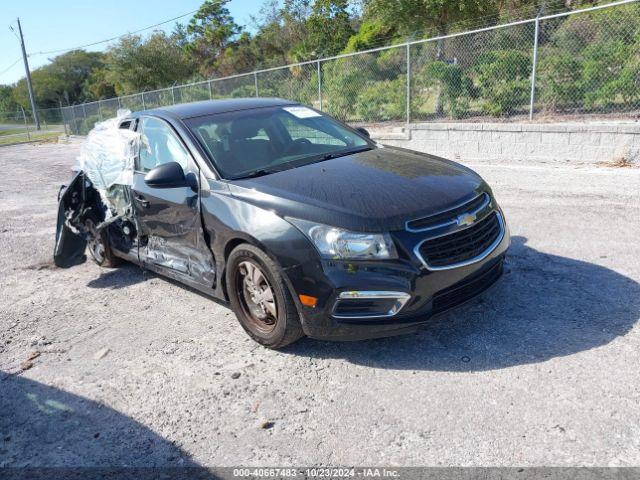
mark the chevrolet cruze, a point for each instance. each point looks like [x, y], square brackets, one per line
[304, 225]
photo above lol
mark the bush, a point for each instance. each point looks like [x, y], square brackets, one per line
[628, 82]
[603, 63]
[295, 83]
[454, 86]
[340, 85]
[503, 79]
[580, 31]
[86, 124]
[382, 101]
[560, 80]
[192, 93]
[243, 91]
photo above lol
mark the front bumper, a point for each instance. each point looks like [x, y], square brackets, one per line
[431, 292]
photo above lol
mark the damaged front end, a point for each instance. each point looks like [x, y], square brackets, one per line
[96, 209]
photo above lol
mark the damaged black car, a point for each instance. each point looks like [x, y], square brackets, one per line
[303, 224]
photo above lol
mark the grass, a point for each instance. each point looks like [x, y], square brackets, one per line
[13, 131]
[34, 137]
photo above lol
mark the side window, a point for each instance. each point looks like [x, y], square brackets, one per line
[158, 145]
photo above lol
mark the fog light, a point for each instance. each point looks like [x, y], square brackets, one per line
[369, 304]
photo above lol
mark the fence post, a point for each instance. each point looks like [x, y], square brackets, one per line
[26, 127]
[319, 85]
[144, 107]
[408, 83]
[64, 121]
[100, 109]
[119, 104]
[173, 94]
[255, 82]
[75, 130]
[210, 92]
[534, 67]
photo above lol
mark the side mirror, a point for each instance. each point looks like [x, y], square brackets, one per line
[170, 175]
[364, 131]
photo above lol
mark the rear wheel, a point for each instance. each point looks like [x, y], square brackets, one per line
[260, 298]
[98, 246]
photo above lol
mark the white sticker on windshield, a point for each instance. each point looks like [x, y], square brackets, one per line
[302, 112]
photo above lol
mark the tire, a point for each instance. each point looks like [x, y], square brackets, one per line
[98, 246]
[273, 331]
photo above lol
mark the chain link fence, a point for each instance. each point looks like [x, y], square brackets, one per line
[19, 127]
[567, 66]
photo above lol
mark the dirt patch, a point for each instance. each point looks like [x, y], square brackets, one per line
[156, 368]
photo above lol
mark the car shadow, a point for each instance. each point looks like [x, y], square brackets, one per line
[128, 274]
[45, 427]
[545, 306]
[124, 276]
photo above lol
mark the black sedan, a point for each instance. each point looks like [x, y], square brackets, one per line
[303, 224]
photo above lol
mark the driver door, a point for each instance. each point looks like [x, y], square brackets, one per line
[169, 222]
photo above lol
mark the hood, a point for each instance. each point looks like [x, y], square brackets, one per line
[375, 190]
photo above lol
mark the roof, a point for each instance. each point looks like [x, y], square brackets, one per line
[211, 107]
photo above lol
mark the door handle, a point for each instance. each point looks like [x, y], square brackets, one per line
[143, 201]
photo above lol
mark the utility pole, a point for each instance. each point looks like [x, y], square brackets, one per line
[28, 73]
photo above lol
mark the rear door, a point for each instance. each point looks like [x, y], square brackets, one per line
[169, 220]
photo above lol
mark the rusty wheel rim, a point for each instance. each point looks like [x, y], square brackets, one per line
[257, 297]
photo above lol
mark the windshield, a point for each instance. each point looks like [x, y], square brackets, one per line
[261, 141]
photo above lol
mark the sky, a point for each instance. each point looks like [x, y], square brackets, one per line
[51, 25]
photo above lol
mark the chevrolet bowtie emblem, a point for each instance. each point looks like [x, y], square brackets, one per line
[466, 219]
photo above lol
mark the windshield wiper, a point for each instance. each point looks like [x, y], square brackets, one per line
[257, 173]
[342, 153]
[260, 172]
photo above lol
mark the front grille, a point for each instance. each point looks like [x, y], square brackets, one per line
[467, 289]
[462, 245]
[448, 217]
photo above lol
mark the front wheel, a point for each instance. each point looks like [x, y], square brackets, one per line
[260, 298]
[98, 246]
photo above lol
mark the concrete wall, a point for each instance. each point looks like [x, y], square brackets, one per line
[580, 143]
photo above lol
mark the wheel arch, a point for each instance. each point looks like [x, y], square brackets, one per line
[240, 239]
[230, 245]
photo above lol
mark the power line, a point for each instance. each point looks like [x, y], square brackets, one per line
[114, 38]
[10, 66]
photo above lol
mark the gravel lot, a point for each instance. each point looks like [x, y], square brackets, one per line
[136, 370]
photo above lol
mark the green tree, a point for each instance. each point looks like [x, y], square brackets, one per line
[423, 18]
[239, 56]
[98, 86]
[134, 64]
[210, 32]
[372, 33]
[61, 80]
[328, 29]
[7, 102]
[280, 30]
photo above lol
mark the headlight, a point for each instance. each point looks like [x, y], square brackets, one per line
[337, 243]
